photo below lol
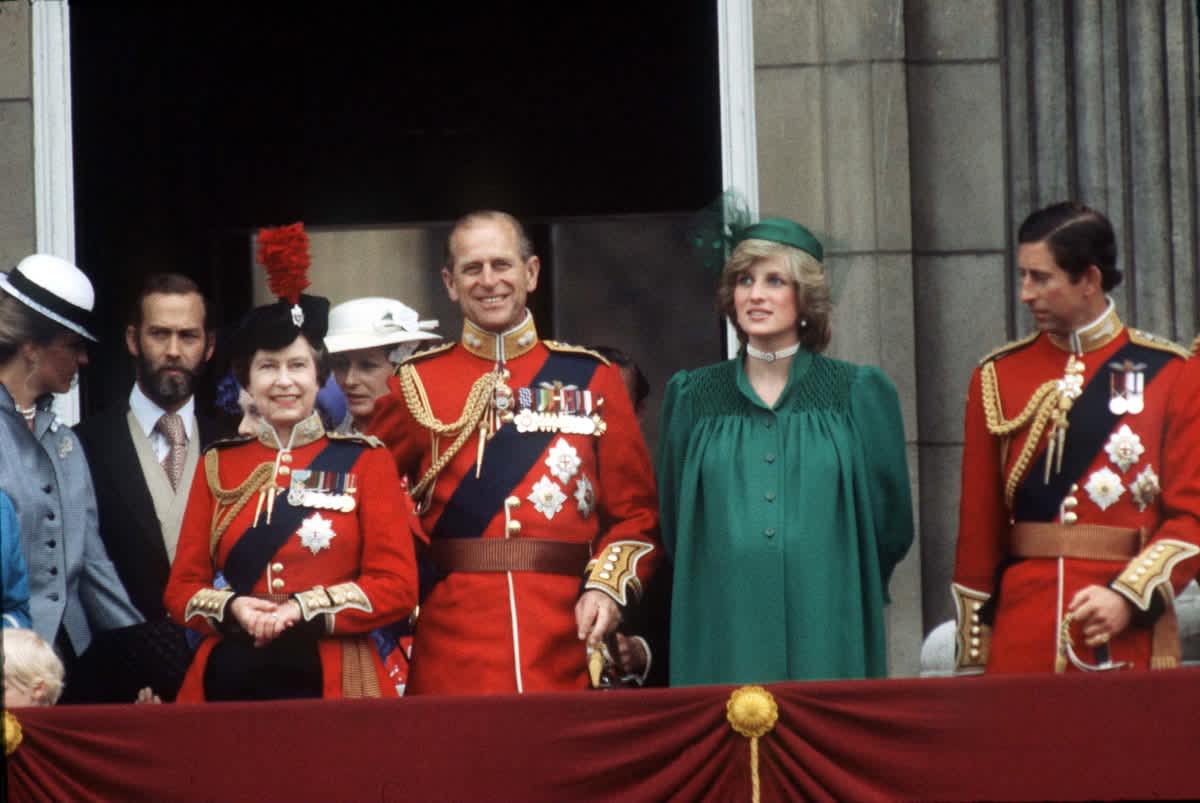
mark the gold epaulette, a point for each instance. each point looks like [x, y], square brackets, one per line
[555, 345]
[614, 570]
[1008, 348]
[1153, 341]
[223, 443]
[356, 437]
[429, 352]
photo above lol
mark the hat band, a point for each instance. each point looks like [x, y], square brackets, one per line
[62, 310]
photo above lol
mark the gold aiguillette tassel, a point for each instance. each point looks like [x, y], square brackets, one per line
[258, 508]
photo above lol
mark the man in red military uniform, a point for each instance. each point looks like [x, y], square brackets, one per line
[534, 483]
[1080, 508]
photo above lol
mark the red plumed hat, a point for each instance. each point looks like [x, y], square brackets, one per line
[283, 252]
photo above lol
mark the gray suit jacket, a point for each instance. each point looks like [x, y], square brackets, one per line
[72, 583]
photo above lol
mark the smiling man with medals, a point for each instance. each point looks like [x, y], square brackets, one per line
[534, 483]
[1080, 509]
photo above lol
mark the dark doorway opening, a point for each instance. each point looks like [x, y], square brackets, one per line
[194, 125]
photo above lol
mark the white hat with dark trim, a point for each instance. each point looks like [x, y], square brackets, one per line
[364, 323]
[55, 288]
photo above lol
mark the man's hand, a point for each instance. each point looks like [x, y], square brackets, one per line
[1101, 612]
[596, 615]
[631, 655]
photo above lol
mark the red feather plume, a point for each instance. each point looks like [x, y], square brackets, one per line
[283, 251]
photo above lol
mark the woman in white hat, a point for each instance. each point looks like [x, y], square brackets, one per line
[368, 338]
[45, 323]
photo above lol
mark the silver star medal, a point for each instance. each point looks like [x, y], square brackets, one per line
[315, 533]
[1104, 487]
[1124, 447]
[547, 497]
[563, 461]
[585, 496]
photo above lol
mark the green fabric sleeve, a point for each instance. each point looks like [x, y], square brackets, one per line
[875, 410]
[673, 427]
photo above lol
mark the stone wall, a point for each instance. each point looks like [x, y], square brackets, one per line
[17, 230]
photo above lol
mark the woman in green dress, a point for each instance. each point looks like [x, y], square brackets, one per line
[783, 485]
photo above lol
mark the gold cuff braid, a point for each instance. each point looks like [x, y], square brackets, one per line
[973, 639]
[1150, 569]
[209, 603]
[320, 600]
[614, 570]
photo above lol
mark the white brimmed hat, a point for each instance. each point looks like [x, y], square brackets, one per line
[364, 323]
[55, 288]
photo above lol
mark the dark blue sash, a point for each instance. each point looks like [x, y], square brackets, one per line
[1090, 424]
[508, 458]
[254, 550]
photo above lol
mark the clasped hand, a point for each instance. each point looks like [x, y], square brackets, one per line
[262, 619]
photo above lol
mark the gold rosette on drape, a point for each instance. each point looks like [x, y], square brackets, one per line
[752, 712]
[12, 733]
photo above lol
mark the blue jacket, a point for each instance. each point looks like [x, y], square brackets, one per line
[12, 568]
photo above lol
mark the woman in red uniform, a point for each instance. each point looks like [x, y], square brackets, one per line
[296, 543]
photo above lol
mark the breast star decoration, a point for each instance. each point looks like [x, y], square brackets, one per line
[585, 496]
[65, 447]
[563, 461]
[1104, 487]
[316, 532]
[547, 497]
[1145, 488]
[1124, 447]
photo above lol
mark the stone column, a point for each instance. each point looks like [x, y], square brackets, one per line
[833, 144]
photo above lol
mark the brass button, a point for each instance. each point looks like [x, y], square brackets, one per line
[277, 583]
[286, 457]
[276, 567]
[284, 471]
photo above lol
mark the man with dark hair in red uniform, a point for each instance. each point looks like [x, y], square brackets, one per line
[1080, 509]
[533, 481]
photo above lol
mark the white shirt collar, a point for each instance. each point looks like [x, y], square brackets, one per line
[147, 412]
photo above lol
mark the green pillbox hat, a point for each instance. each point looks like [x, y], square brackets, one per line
[782, 230]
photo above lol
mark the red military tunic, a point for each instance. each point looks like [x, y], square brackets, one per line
[506, 631]
[354, 569]
[1146, 474]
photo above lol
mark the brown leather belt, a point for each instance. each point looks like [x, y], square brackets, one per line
[1087, 541]
[510, 555]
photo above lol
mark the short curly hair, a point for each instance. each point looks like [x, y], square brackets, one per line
[813, 301]
[31, 666]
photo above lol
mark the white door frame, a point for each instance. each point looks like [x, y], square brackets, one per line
[739, 142]
[53, 166]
